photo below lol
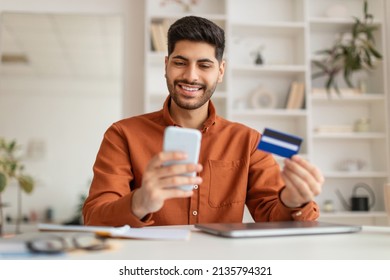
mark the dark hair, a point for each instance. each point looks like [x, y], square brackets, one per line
[197, 29]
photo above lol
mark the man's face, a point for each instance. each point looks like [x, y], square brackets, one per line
[192, 73]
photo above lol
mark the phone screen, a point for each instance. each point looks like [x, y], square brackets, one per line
[186, 140]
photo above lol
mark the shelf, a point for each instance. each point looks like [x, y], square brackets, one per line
[352, 135]
[357, 174]
[323, 24]
[271, 69]
[370, 218]
[270, 112]
[351, 214]
[268, 28]
[266, 11]
[324, 98]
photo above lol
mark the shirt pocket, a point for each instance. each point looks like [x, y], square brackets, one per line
[228, 182]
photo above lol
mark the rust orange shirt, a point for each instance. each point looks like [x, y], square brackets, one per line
[234, 173]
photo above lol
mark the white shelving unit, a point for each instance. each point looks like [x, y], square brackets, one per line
[330, 150]
[289, 33]
[365, 218]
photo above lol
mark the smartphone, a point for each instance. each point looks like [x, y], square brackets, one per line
[183, 140]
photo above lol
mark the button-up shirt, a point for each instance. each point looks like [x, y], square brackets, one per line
[235, 173]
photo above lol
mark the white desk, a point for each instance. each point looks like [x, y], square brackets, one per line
[373, 243]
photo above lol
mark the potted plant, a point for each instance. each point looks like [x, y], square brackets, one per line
[77, 218]
[352, 52]
[11, 168]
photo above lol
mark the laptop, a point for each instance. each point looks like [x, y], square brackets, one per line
[267, 229]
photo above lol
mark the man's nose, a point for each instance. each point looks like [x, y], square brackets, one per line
[191, 73]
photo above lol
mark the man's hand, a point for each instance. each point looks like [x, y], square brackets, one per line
[303, 182]
[159, 183]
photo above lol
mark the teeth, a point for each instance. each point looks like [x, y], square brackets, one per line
[190, 88]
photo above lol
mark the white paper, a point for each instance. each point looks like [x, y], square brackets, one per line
[152, 233]
[14, 249]
[164, 233]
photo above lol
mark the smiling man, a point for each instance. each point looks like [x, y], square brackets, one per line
[131, 184]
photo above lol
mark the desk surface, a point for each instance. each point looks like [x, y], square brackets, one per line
[371, 243]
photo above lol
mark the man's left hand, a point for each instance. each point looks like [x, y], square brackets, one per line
[303, 182]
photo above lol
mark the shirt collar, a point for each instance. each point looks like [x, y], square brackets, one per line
[208, 123]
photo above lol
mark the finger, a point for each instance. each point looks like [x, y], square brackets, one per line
[294, 193]
[294, 182]
[163, 157]
[313, 170]
[177, 169]
[175, 193]
[177, 181]
[300, 175]
[152, 169]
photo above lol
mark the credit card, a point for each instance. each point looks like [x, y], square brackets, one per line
[279, 143]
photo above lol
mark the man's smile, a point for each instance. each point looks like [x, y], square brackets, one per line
[189, 90]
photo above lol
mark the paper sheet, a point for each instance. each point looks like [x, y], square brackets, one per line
[124, 232]
[14, 249]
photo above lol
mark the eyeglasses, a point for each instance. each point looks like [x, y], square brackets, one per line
[54, 244]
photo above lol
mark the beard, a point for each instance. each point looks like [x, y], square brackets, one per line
[189, 103]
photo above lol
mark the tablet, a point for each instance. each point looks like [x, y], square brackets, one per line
[266, 229]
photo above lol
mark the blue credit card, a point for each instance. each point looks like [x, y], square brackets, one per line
[279, 143]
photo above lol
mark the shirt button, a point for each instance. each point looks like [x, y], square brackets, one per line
[196, 187]
[297, 214]
[194, 213]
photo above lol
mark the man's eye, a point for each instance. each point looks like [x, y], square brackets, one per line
[205, 66]
[179, 63]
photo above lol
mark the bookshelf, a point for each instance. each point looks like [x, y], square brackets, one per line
[288, 35]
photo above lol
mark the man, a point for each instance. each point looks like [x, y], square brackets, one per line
[132, 186]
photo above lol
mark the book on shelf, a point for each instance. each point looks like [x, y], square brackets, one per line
[159, 31]
[156, 45]
[296, 96]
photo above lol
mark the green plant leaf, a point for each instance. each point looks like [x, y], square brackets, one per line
[347, 78]
[12, 146]
[368, 59]
[27, 183]
[3, 181]
[318, 75]
[320, 65]
[374, 52]
[329, 83]
[350, 54]
[365, 7]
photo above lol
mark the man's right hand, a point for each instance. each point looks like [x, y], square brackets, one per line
[160, 183]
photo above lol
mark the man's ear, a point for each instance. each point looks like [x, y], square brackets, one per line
[221, 71]
[166, 63]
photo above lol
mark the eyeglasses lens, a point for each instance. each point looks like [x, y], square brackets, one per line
[51, 245]
[89, 242]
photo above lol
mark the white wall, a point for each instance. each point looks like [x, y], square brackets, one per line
[387, 53]
[67, 122]
[69, 117]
